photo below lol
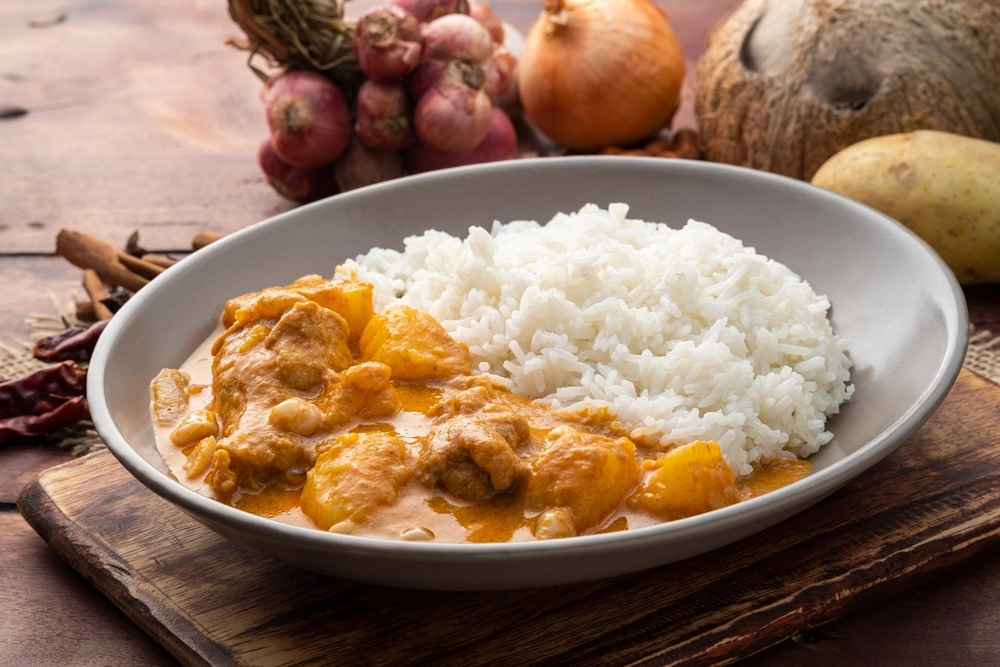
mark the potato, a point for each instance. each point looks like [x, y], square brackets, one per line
[944, 187]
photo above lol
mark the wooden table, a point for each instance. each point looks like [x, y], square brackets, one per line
[138, 118]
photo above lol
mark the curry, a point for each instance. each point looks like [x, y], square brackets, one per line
[308, 407]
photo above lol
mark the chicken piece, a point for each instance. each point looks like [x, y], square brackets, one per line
[686, 481]
[414, 345]
[356, 475]
[267, 358]
[308, 341]
[350, 299]
[362, 390]
[169, 395]
[465, 402]
[578, 480]
[475, 456]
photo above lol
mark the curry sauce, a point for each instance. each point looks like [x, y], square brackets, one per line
[308, 408]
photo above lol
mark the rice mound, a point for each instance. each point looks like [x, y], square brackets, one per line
[683, 334]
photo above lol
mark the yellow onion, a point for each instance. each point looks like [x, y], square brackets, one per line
[600, 72]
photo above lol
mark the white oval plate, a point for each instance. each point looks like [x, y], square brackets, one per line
[891, 295]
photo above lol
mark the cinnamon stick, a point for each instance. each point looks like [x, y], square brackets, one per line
[97, 293]
[88, 252]
[202, 239]
[159, 260]
[145, 269]
[85, 311]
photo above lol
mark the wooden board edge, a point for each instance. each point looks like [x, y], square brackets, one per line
[760, 629]
[112, 576]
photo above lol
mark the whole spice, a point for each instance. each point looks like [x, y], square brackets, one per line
[387, 43]
[600, 72]
[88, 252]
[98, 293]
[74, 344]
[309, 119]
[46, 399]
[202, 239]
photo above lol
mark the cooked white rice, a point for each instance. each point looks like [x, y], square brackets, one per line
[683, 334]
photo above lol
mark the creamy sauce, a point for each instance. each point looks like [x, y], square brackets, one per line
[501, 518]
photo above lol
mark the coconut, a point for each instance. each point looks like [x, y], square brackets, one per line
[785, 84]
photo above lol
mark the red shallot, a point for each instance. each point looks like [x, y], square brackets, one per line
[457, 36]
[500, 144]
[452, 117]
[361, 166]
[291, 182]
[427, 75]
[488, 18]
[499, 73]
[383, 116]
[387, 43]
[309, 119]
[428, 10]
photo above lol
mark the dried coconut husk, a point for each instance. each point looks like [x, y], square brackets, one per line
[311, 34]
[785, 84]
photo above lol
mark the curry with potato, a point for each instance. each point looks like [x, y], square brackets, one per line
[308, 407]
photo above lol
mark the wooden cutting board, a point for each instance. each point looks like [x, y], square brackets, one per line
[931, 504]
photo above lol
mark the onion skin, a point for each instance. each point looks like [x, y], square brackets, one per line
[600, 72]
[488, 18]
[360, 166]
[308, 117]
[290, 182]
[500, 144]
[430, 72]
[428, 10]
[387, 43]
[452, 117]
[457, 36]
[383, 116]
[499, 73]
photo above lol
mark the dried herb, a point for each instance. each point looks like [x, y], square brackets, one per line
[75, 344]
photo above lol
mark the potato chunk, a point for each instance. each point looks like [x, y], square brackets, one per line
[414, 345]
[686, 481]
[585, 474]
[355, 476]
[350, 299]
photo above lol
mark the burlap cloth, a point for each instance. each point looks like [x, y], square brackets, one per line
[982, 357]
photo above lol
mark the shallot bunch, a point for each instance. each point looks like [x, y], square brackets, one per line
[434, 73]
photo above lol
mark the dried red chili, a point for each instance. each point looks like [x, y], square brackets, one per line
[75, 344]
[68, 413]
[45, 400]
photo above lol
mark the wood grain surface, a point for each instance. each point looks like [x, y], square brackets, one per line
[138, 117]
[933, 503]
[80, 627]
